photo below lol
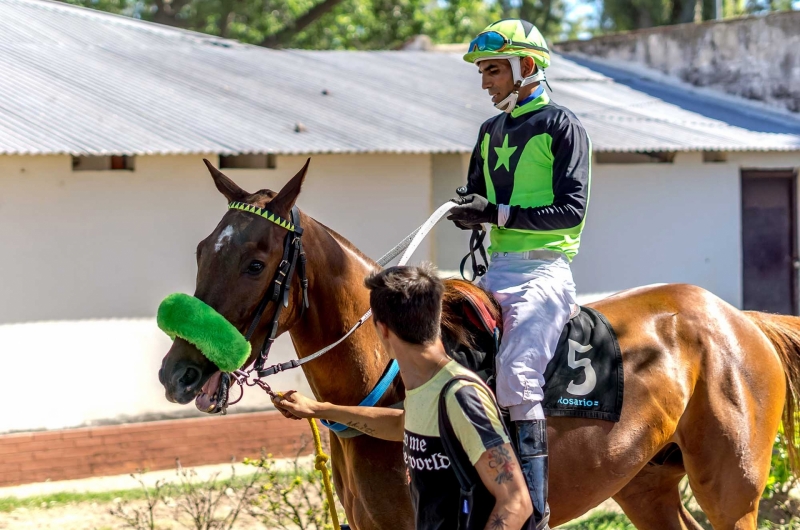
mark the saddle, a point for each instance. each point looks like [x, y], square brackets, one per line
[584, 379]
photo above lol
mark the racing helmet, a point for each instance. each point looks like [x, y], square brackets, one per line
[511, 39]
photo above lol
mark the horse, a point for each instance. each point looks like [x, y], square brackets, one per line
[706, 385]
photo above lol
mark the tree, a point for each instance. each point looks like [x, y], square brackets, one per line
[315, 24]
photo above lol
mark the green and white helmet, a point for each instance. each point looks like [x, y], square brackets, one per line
[511, 39]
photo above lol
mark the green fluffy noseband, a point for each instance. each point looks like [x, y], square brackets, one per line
[191, 319]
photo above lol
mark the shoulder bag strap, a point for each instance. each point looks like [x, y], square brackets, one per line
[459, 461]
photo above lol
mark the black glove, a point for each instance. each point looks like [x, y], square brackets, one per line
[471, 211]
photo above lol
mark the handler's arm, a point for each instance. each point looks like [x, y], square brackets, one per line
[502, 476]
[380, 422]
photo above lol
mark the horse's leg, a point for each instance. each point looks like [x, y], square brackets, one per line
[727, 459]
[652, 500]
[727, 431]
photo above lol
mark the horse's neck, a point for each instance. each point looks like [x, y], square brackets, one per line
[337, 299]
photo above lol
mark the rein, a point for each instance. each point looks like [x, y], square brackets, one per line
[279, 292]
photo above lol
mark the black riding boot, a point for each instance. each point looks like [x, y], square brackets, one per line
[532, 446]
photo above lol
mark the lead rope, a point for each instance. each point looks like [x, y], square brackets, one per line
[321, 465]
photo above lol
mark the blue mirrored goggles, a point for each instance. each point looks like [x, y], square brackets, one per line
[493, 41]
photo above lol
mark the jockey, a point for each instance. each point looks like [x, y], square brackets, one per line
[529, 178]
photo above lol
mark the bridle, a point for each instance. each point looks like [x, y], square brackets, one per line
[294, 258]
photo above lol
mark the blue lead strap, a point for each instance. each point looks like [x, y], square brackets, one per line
[373, 397]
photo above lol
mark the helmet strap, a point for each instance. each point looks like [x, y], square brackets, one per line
[507, 105]
[510, 101]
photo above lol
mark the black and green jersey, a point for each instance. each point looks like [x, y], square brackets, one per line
[537, 160]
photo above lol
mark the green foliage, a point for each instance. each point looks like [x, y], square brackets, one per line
[292, 501]
[350, 24]
[602, 521]
[780, 475]
[9, 504]
[623, 15]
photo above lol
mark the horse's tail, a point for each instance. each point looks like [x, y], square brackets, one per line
[784, 333]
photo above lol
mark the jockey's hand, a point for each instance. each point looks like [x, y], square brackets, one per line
[472, 210]
[295, 405]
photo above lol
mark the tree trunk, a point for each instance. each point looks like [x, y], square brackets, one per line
[282, 36]
[167, 12]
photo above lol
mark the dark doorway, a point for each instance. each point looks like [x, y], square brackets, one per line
[768, 241]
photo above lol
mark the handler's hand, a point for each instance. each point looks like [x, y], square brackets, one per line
[295, 405]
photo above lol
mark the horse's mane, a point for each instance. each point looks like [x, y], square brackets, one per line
[454, 322]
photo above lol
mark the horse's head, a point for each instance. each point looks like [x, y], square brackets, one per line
[235, 267]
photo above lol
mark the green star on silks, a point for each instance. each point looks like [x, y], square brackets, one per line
[504, 155]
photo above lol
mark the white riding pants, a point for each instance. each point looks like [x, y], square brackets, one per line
[537, 297]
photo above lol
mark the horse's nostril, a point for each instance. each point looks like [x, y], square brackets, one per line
[190, 376]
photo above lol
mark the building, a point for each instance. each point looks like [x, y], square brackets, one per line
[104, 122]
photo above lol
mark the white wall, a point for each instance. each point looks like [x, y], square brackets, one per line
[111, 245]
[653, 223]
[450, 244]
[100, 244]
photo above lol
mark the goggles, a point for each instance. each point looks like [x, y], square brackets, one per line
[494, 41]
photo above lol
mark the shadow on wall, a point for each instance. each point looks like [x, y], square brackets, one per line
[94, 372]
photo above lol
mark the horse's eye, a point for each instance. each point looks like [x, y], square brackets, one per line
[255, 267]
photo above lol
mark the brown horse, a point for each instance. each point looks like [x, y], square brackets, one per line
[705, 383]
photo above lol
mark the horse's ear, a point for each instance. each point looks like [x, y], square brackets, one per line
[226, 186]
[291, 190]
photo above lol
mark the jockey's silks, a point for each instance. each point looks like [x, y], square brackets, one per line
[537, 160]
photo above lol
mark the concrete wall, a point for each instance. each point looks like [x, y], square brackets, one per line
[754, 57]
[111, 244]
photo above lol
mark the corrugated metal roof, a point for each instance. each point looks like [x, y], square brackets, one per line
[83, 82]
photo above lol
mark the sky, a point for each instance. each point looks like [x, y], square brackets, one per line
[577, 9]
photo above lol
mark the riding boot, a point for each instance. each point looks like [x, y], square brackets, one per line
[532, 447]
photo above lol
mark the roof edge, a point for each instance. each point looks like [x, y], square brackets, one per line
[128, 21]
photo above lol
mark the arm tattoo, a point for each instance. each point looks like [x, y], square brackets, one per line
[497, 522]
[503, 463]
[361, 427]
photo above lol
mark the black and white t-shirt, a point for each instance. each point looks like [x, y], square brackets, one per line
[473, 412]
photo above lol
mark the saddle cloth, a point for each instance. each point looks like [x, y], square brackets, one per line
[584, 379]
